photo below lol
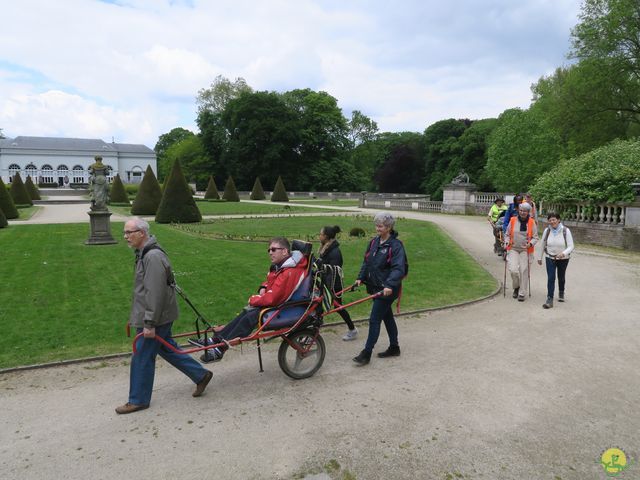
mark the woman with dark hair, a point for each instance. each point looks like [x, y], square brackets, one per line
[557, 245]
[330, 255]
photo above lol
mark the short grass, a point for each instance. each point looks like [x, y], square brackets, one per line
[61, 299]
[337, 202]
[238, 208]
[25, 213]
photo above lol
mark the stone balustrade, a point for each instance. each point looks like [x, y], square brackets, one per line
[583, 212]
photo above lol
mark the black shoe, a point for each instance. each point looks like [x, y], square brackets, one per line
[363, 358]
[521, 298]
[515, 292]
[199, 342]
[392, 351]
[212, 355]
[561, 297]
[548, 303]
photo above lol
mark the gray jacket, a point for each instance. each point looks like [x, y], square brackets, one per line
[154, 299]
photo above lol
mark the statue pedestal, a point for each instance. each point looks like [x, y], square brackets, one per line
[100, 228]
[456, 198]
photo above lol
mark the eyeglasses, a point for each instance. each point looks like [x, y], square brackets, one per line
[273, 249]
[129, 232]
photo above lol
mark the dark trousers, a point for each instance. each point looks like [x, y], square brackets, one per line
[381, 312]
[241, 326]
[345, 315]
[553, 266]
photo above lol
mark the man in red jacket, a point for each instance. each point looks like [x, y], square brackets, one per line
[286, 273]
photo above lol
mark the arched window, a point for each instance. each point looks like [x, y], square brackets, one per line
[136, 174]
[78, 174]
[13, 169]
[47, 173]
[31, 171]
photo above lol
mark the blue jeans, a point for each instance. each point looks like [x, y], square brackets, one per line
[381, 312]
[143, 365]
[552, 266]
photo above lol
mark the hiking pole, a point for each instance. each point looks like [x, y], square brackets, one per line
[529, 272]
[504, 279]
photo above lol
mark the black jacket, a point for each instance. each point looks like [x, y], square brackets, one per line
[384, 265]
[333, 256]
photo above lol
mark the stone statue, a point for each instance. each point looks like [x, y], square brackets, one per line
[461, 178]
[98, 185]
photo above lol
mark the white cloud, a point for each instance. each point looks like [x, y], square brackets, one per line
[133, 68]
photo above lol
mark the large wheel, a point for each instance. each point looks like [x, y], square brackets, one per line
[301, 364]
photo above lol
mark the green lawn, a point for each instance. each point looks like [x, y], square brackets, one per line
[334, 203]
[26, 213]
[62, 299]
[238, 208]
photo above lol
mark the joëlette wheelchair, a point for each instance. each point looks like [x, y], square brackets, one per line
[297, 321]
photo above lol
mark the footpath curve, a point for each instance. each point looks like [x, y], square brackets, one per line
[499, 390]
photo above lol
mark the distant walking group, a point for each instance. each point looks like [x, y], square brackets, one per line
[518, 236]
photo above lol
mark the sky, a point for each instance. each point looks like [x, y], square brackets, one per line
[130, 70]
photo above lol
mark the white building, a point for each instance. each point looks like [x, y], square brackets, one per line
[51, 160]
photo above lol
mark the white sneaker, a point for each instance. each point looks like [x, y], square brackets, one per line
[350, 335]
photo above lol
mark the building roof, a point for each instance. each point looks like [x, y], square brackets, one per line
[93, 145]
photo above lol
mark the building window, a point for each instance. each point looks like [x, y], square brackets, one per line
[47, 174]
[62, 175]
[78, 174]
[31, 171]
[110, 173]
[13, 169]
[136, 175]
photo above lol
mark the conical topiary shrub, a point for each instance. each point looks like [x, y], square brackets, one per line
[118, 194]
[257, 193]
[149, 195]
[177, 204]
[230, 193]
[19, 191]
[3, 220]
[279, 192]
[212, 190]
[6, 202]
[33, 191]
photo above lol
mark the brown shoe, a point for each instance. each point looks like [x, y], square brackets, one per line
[130, 408]
[202, 384]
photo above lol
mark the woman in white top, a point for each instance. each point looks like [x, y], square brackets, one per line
[556, 246]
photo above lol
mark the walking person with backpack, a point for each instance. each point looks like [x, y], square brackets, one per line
[556, 247]
[520, 238]
[384, 266]
[330, 254]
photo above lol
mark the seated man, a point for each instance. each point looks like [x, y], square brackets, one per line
[286, 273]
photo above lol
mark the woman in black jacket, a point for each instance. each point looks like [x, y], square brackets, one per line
[330, 255]
[383, 268]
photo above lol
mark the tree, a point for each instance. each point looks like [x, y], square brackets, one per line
[474, 152]
[118, 194]
[193, 160]
[3, 218]
[222, 90]
[279, 192]
[177, 204]
[522, 147]
[403, 165]
[601, 175]
[263, 134]
[212, 190]
[149, 195]
[361, 129]
[6, 202]
[32, 189]
[257, 192]
[19, 191]
[608, 38]
[166, 140]
[230, 193]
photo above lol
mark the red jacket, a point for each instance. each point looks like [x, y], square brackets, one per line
[281, 282]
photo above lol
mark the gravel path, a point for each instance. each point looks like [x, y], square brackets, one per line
[496, 390]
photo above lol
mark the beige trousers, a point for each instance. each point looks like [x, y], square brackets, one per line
[518, 264]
